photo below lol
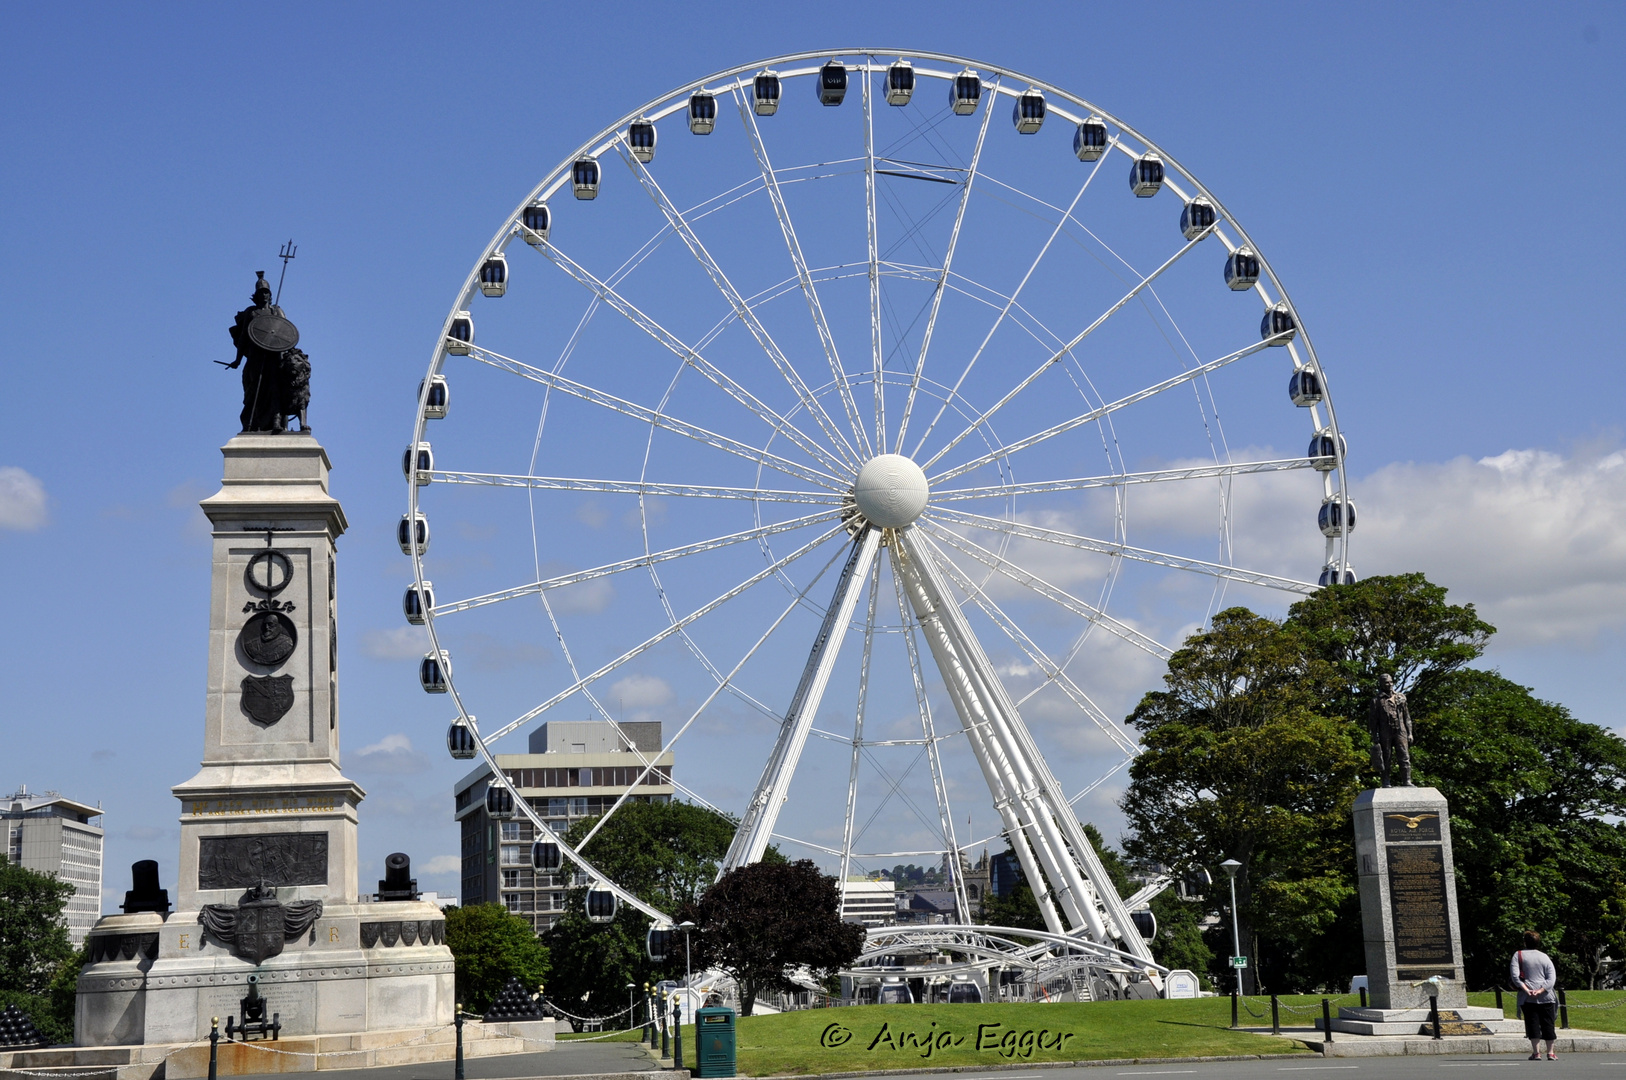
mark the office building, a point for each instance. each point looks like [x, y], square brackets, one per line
[869, 903]
[576, 769]
[54, 835]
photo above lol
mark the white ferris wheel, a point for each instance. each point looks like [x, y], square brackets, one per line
[855, 403]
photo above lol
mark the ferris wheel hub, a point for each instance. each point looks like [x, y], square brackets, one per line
[891, 491]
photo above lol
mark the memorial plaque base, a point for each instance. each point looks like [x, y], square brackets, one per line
[1408, 898]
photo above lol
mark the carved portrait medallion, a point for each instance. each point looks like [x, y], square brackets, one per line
[268, 638]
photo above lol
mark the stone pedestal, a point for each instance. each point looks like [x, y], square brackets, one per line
[1408, 902]
[269, 807]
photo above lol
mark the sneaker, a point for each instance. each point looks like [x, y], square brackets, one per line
[1534, 1057]
[1552, 1055]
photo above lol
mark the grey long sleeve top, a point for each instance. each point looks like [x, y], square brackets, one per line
[1534, 968]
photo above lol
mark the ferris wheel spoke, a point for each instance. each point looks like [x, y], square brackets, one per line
[659, 419]
[794, 246]
[1098, 781]
[999, 320]
[877, 357]
[726, 681]
[858, 720]
[756, 824]
[608, 294]
[747, 316]
[1050, 592]
[1128, 551]
[928, 731]
[942, 279]
[634, 487]
[1053, 671]
[1083, 483]
[608, 569]
[1054, 357]
[650, 642]
[1105, 410]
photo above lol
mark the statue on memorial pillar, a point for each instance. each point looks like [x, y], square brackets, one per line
[276, 379]
[1389, 722]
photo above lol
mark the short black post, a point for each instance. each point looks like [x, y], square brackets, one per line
[1275, 1015]
[1563, 1009]
[1234, 1001]
[1434, 1014]
[214, 1045]
[458, 1023]
[666, 1034]
[677, 1037]
[1499, 1001]
[1363, 997]
[1326, 1020]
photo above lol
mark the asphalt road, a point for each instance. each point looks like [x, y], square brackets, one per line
[1590, 1066]
[566, 1059]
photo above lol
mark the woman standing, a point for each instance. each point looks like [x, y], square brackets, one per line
[1534, 977]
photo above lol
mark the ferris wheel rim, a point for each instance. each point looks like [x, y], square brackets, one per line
[669, 103]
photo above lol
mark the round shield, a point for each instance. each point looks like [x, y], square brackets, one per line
[273, 333]
[269, 638]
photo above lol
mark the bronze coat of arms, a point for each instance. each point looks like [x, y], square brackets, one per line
[267, 698]
[258, 927]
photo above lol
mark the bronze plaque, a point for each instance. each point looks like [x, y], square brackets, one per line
[272, 859]
[1404, 827]
[1417, 906]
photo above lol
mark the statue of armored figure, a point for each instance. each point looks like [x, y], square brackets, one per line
[1389, 721]
[277, 376]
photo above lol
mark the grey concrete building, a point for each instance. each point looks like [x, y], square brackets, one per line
[55, 835]
[576, 769]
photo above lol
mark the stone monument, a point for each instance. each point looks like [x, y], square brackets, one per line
[1408, 893]
[268, 859]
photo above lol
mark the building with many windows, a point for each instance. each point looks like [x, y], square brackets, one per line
[576, 769]
[54, 835]
[869, 902]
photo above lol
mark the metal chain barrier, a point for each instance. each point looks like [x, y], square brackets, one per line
[1315, 1007]
[592, 1019]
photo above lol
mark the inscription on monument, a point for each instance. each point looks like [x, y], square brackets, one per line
[271, 859]
[1411, 827]
[1417, 907]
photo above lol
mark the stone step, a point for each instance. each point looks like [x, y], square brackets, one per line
[1412, 1027]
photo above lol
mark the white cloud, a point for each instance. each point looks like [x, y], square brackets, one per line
[22, 500]
[401, 643]
[639, 692]
[443, 864]
[392, 755]
[1535, 539]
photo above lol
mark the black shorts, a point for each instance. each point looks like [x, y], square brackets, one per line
[1538, 1020]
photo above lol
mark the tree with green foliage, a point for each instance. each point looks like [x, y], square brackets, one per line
[1536, 801]
[1399, 625]
[1237, 762]
[762, 921]
[663, 853]
[34, 946]
[490, 946]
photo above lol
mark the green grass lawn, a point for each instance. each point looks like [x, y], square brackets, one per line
[926, 1036]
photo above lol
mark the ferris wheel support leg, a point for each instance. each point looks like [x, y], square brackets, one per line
[979, 729]
[1082, 882]
[756, 827]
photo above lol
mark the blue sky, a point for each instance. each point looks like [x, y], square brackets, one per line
[1435, 184]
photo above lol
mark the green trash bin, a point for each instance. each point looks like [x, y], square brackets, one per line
[714, 1034]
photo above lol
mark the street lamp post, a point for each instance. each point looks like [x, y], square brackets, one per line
[1231, 866]
[688, 994]
[688, 970]
[630, 988]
